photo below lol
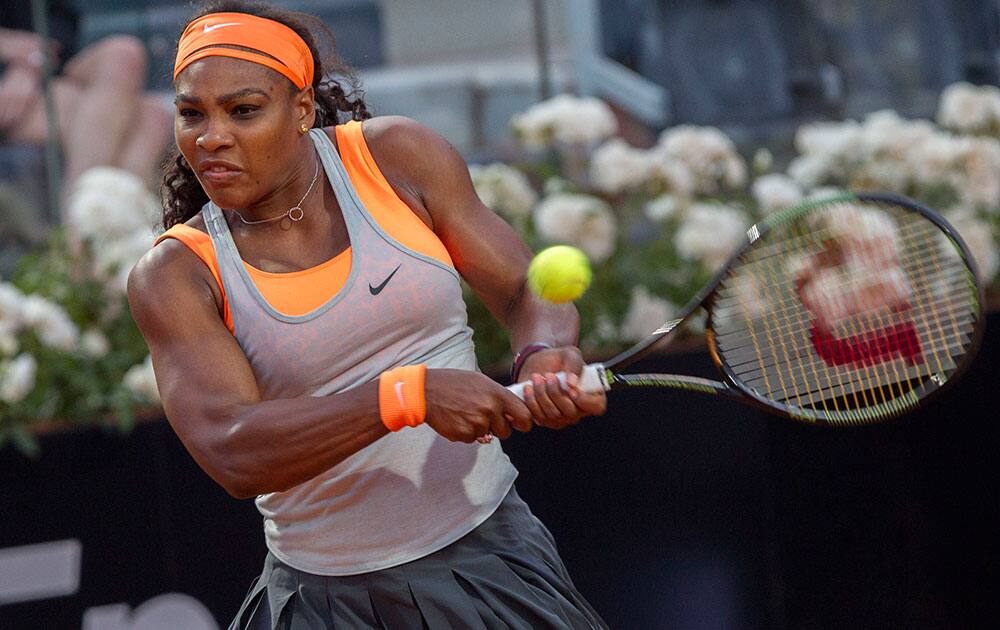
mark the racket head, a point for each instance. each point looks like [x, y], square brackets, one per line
[852, 309]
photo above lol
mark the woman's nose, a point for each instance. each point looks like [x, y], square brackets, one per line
[214, 137]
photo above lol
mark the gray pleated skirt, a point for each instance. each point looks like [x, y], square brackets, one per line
[506, 573]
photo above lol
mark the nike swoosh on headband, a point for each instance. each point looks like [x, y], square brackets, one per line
[212, 27]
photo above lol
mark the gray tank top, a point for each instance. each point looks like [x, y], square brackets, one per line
[411, 492]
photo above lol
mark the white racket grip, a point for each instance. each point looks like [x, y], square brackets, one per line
[593, 378]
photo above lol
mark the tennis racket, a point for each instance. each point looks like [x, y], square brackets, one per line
[843, 311]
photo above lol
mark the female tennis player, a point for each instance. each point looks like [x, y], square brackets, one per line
[305, 319]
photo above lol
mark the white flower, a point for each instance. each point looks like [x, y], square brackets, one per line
[124, 251]
[832, 140]
[978, 236]
[559, 217]
[141, 381]
[604, 329]
[580, 220]
[708, 153]
[94, 343]
[616, 167]
[883, 174]
[590, 122]
[885, 134]
[503, 189]
[11, 301]
[811, 170]
[857, 227]
[710, 233]
[598, 236]
[50, 322]
[115, 258]
[565, 119]
[645, 314]
[697, 322]
[107, 203]
[979, 163]
[967, 108]
[671, 175]
[776, 192]
[10, 318]
[734, 171]
[17, 378]
[112, 210]
[662, 208]
[750, 301]
[936, 157]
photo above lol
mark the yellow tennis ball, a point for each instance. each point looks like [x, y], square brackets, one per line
[559, 274]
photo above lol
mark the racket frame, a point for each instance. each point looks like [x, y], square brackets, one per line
[732, 386]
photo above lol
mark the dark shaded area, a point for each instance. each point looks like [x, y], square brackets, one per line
[738, 62]
[673, 511]
[357, 25]
[63, 22]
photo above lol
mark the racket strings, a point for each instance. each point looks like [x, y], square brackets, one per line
[776, 350]
[919, 268]
[960, 327]
[879, 373]
[845, 402]
[790, 320]
[779, 269]
[738, 355]
[922, 313]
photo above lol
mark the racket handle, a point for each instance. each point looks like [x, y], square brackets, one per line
[592, 379]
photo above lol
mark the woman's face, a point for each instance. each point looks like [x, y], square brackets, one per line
[237, 125]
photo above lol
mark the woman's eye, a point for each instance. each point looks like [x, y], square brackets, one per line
[245, 110]
[188, 113]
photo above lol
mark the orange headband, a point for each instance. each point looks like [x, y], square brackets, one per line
[208, 35]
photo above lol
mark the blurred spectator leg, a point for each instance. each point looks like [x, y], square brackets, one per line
[145, 145]
[110, 75]
[105, 118]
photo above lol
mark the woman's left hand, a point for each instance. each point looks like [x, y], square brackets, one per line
[552, 405]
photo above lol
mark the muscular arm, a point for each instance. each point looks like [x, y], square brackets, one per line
[432, 178]
[210, 396]
[252, 446]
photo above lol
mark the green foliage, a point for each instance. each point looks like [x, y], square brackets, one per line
[74, 386]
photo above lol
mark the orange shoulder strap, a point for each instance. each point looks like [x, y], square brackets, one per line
[201, 244]
[383, 204]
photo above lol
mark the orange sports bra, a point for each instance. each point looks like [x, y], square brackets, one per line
[300, 292]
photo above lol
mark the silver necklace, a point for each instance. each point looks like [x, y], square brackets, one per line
[295, 213]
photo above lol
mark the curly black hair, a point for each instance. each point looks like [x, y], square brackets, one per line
[183, 195]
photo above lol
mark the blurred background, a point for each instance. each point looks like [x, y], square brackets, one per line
[649, 133]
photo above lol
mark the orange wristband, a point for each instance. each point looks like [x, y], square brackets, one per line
[401, 401]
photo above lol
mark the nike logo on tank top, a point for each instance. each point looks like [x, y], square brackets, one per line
[411, 492]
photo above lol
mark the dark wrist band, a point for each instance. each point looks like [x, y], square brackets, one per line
[521, 357]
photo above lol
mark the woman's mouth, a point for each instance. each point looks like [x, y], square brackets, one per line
[220, 173]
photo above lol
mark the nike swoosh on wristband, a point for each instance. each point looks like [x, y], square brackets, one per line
[212, 27]
[399, 394]
[378, 289]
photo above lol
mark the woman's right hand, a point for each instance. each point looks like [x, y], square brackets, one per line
[464, 405]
